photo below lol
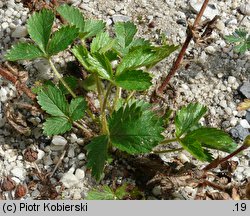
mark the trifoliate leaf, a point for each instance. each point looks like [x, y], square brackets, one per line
[77, 108]
[194, 147]
[61, 39]
[39, 27]
[101, 43]
[97, 151]
[103, 193]
[71, 81]
[56, 125]
[92, 28]
[134, 80]
[144, 57]
[81, 53]
[23, 51]
[135, 129]
[53, 101]
[242, 40]
[213, 138]
[125, 32]
[187, 117]
[72, 15]
[101, 65]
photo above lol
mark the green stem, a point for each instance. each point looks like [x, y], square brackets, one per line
[86, 131]
[167, 151]
[129, 96]
[117, 96]
[60, 78]
[169, 141]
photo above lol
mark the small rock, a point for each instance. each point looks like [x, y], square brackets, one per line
[231, 80]
[157, 191]
[59, 140]
[77, 195]
[120, 18]
[244, 123]
[245, 89]
[183, 158]
[5, 25]
[239, 132]
[80, 174]
[81, 156]
[47, 160]
[3, 94]
[69, 180]
[20, 31]
[244, 9]
[40, 154]
[248, 116]
[210, 49]
[210, 12]
[19, 173]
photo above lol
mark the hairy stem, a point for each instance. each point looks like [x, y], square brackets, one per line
[130, 96]
[117, 96]
[61, 79]
[183, 50]
[167, 151]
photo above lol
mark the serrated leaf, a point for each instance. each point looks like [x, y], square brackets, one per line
[71, 81]
[101, 65]
[103, 193]
[53, 101]
[101, 43]
[134, 80]
[125, 32]
[72, 15]
[92, 28]
[77, 108]
[81, 53]
[56, 125]
[61, 39]
[194, 147]
[23, 51]
[97, 151]
[213, 138]
[144, 57]
[135, 129]
[121, 192]
[39, 27]
[187, 117]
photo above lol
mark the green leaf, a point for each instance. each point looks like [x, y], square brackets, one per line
[101, 65]
[144, 57]
[213, 138]
[89, 84]
[125, 32]
[101, 43]
[103, 193]
[72, 15]
[92, 28]
[121, 191]
[135, 128]
[134, 80]
[53, 101]
[194, 147]
[61, 39]
[56, 125]
[39, 27]
[187, 117]
[81, 53]
[23, 51]
[71, 81]
[97, 151]
[77, 108]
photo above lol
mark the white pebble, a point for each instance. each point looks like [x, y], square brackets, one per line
[80, 174]
[20, 31]
[19, 173]
[244, 123]
[183, 158]
[231, 80]
[69, 180]
[59, 140]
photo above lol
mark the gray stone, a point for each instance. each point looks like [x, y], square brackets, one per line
[239, 132]
[80, 174]
[19, 173]
[244, 123]
[120, 18]
[69, 180]
[20, 31]
[245, 89]
[248, 116]
[59, 140]
[245, 9]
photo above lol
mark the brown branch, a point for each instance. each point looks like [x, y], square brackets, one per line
[177, 62]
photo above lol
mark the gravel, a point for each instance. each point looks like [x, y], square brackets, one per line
[213, 75]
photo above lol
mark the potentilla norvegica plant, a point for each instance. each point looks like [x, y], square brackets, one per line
[127, 124]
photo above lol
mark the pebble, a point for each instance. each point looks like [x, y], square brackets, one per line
[239, 132]
[19, 173]
[183, 158]
[81, 156]
[248, 116]
[80, 174]
[40, 154]
[157, 191]
[20, 32]
[244, 123]
[245, 9]
[59, 140]
[120, 18]
[69, 180]
[245, 89]
[3, 94]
